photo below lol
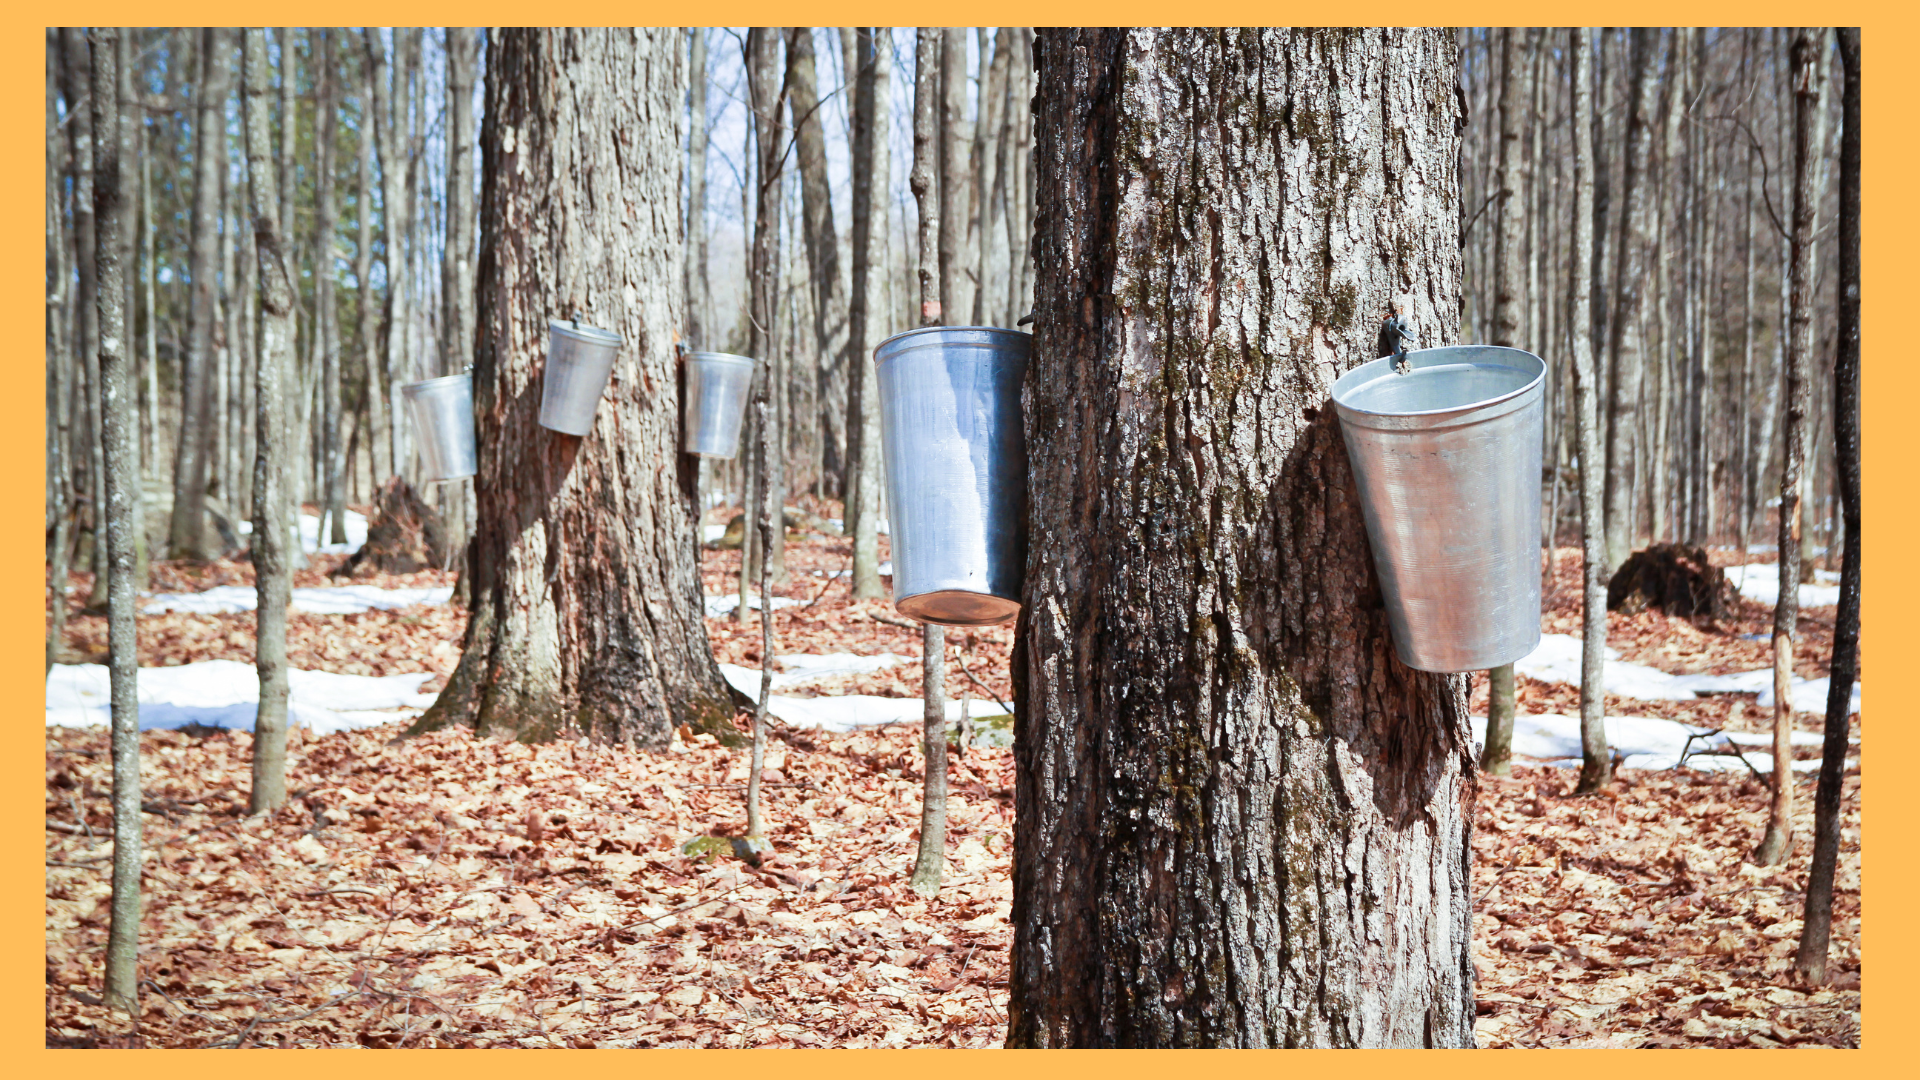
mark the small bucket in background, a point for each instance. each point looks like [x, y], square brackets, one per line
[956, 461]
[442, 415]
[717, 388]
[1447, 459]
[579, 362]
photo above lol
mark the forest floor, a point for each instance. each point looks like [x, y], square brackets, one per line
[452, 891]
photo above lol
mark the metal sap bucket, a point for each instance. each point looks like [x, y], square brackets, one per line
[1447, 458]
[442, 414]
[717, 388]
[579, 361]
[956, 460]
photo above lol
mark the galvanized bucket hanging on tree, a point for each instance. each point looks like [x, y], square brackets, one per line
[1447, 459]
[442, 413]
[579, 362]
[956, 460]
[717, 388]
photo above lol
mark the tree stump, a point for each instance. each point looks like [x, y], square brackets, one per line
[404, 535]
[1677, 579]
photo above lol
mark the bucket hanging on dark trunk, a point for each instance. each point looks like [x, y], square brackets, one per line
[1447, 459]
[956, 461]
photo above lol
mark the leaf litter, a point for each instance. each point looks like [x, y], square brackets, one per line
[459, 892]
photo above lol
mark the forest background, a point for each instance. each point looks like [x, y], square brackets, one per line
[728, 254]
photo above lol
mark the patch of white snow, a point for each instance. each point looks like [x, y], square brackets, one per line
[226, 693]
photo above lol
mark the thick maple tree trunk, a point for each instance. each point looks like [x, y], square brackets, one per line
[1240, 821]
[586, 610]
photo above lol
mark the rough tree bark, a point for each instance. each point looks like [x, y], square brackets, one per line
[1625, 347]
[586, 610]
[867, 306]
[1596, 763]
[1817, 925]
[273, 451]
[1240, 821]
[187, 530]
[120, 454]
[1805, 69]
[823, 257]
[930, 860]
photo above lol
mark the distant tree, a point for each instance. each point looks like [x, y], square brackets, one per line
[1596, 763]
[273, 450]
[930, 860]
[187, 528]
[120, 450]
[1817, 923]
[1625, 344]
[1805, 71]
[866, 316]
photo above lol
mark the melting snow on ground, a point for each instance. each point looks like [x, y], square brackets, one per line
[337, 600]
[1557, 660]
[724, 605]
[847, 711]
[1760, 582]
[226, 693]
[310, 534]
[1648, 743]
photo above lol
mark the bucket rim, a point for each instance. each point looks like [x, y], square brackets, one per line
[889, 346]
[721, 358]
[1374, 368]
[442, 380]
[590, 334]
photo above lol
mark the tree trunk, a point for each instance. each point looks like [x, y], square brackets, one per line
[867, 309]
[333, 499]
[954, 174]
[935, 215]
[586, 611]
[823, 258]
[272, 449]
[1661, 466]
[1510, 222]
[187, 529]
[462, 62]
[989, 182]
[378, 442]
[1817, 925]
[1805, 70]
[1239, 820]
[120, 457]
[77, 69]
[1596, 762]
[1625, 347]
[391, 151]
[699, 291]
[763, 53]
[60, 491]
